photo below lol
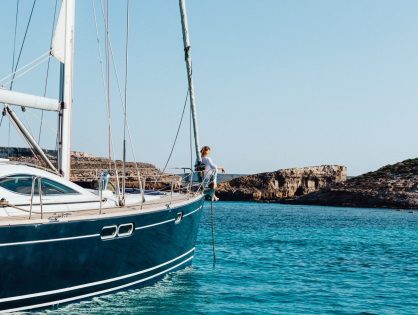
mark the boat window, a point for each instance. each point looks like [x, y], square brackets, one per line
[125, 229]
[22, 184]
[108, 232]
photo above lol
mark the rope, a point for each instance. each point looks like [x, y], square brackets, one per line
[31, 65]
[23, 41]
[190, 140]
[47, 70]
[121, 97]
[108, 78]
[6, 204]
[125, 102]
[13, 65]
[106, 89]
[212, 215]
[177, 134]
[101, 65]
[118, 86]
[15, 36]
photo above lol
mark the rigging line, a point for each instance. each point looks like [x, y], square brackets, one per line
[42, 56]
[23, 41]
[117, 81]
[47, 69]
[112, 58]
[175, 139]
[108, 75]
[15, 35]
[118, 86]
[99, 50]
[123, 108]
[100, 55]
[121, 101]
[13, 65]
[125, 103]
[21, 74]
[190, 139]
[212, 217]
[106, 23]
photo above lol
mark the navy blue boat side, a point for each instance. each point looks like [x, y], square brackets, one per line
[55, 263]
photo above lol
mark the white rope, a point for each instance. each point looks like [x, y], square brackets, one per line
[33, 64]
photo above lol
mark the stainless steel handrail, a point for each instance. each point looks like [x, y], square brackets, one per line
[32, 193]
[40, 195]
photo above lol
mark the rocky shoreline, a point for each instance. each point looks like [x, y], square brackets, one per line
[282, 184]
[392, 186]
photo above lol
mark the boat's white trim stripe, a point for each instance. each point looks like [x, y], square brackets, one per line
[192, 212]
[50, 240]
[27, 296]
[89, 236]
[164, 222]
[96, 293]
[155, 224]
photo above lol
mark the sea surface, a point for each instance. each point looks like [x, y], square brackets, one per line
[285, 259]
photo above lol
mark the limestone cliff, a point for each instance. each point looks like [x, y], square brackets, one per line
[282, 184]
[392, 186]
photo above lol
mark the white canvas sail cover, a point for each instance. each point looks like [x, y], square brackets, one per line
[58, 42]
[28, 100]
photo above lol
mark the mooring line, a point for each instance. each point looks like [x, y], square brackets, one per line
[213, 232]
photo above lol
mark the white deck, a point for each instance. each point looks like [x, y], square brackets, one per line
[88, 214]
[82, 205]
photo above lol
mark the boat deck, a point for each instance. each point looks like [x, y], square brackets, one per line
[162, 203]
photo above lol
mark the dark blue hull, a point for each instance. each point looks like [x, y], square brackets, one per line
[55, 263]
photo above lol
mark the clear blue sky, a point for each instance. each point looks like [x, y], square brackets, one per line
[278, 83]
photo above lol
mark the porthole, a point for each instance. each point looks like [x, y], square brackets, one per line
[108, 232]
[179, 217]
[125, 229]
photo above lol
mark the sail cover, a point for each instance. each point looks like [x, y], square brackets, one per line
[58, 42]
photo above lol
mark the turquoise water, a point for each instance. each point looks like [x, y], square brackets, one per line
[281, 259]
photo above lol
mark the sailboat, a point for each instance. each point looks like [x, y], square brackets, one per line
[60, 242]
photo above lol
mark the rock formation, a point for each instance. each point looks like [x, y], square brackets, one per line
[392, 186]
[282, 184]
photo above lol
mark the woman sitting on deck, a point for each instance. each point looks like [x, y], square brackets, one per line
[211, 170]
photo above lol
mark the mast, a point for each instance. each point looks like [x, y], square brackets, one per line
[188, 58]
[66, 91]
